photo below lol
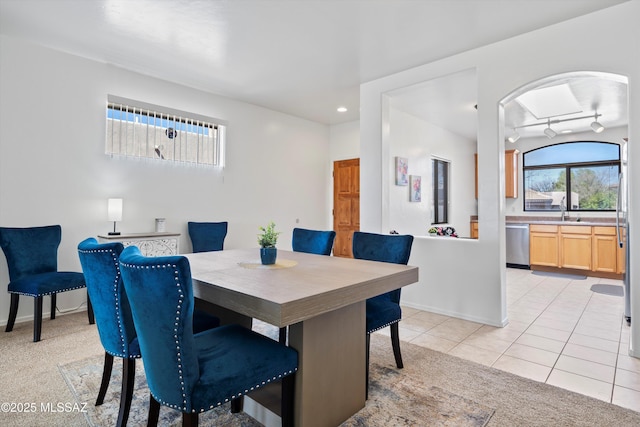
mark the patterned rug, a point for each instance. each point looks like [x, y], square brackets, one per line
[395, 399]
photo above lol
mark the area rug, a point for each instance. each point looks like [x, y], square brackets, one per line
[395, 399]
[433, 389]
[613, 290]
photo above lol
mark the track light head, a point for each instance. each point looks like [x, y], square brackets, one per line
[597, 127]
[550, 132]
[513, 137]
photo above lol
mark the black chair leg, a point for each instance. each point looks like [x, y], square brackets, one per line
[154, 412]
[13, 312]
[189, 419]
[106, 376]
[282, 335]
[288, 389]
[237, 405]
[366, 394]
[52, 315]
[92, 319]
[126, 393]
[395, 343]
[37, 318]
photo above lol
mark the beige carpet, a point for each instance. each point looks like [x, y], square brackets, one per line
[30, 372]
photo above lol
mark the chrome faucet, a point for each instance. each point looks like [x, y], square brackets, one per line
[563, 208]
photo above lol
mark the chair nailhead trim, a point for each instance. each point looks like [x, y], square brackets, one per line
[118, 314]
[48, 293]
[384, 326]
[184, 402]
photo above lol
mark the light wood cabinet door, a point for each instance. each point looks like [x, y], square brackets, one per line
[576, 251]
[605, 253]
[474, 230]
[543, 248]
[511, 173]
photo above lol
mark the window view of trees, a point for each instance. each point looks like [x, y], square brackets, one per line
[579, 176]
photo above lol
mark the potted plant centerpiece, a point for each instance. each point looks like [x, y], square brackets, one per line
[267, 241]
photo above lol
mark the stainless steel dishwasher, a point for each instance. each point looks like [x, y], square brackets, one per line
[517, 242]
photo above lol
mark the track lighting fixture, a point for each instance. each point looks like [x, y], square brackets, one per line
[548, 131]
[595, 125]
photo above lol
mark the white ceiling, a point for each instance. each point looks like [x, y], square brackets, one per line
[304, 57]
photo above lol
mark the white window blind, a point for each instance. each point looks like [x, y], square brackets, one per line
[137, 129]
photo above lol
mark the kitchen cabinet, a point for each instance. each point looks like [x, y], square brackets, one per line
[575, 247]
[510, 173]
[474, 229]
[605, 249]
[543, 245]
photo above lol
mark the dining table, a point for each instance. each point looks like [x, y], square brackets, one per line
[322, 301]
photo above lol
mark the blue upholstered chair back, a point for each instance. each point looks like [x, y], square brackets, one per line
[101, 268]
[207, 236]
[391, 248]
[31, 250]
[313, 241]
[161, 297]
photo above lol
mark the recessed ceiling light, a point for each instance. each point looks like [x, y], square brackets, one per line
[342, 109]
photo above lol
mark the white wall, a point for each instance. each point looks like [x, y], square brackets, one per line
[53, 168]
[418, 141]
[464, 277]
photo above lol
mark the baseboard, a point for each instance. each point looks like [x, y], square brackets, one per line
[45, 315]
[462, 316]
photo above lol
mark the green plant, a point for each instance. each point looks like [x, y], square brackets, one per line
[269, 237]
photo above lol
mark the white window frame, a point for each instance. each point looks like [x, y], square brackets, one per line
[141, 130]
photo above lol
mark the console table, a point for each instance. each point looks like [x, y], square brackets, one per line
[150, 244]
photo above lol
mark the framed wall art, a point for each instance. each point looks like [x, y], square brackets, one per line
[416, 188]
[402, 170]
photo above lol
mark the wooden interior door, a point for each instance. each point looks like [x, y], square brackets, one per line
[346, 204]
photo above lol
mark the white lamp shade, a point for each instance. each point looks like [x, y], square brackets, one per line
[114, 209]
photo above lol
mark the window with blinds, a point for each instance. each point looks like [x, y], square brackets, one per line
[136, 129]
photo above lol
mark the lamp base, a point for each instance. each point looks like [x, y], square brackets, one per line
[114, 233]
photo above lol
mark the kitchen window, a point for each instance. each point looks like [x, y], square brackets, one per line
[572, 176]
[440, 188]
[137, 129]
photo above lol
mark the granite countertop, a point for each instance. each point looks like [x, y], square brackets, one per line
[555, 220]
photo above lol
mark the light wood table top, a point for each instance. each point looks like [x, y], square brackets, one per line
[299, 286]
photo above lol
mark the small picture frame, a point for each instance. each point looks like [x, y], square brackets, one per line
[416, 188]
[402, 170]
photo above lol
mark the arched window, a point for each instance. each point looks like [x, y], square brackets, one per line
[576, 176]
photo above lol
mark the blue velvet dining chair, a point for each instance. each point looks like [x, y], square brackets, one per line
[313, 241]
[32, 258]
[316, 242]
[207, 236]
[383, 310]
[101, 267]
[189, 372]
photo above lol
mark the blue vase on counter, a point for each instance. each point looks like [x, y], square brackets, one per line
[268, 255]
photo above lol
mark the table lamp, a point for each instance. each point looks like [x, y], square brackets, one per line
[114, 212]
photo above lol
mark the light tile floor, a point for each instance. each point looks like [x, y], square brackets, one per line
[560, 332]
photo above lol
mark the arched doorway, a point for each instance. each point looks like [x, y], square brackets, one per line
[565, 108]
